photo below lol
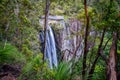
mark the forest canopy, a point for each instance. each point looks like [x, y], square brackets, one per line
[59, 39]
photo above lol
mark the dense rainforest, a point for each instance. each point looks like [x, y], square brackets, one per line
[59, 39]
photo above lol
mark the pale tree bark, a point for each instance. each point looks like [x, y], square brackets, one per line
[112, 62]
[46, 25]
[85, 41]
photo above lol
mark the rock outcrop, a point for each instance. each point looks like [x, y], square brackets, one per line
[68, 35]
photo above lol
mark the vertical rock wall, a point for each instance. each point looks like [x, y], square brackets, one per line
[68, 35]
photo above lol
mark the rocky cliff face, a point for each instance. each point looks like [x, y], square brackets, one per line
[68, 35]
[71, 38]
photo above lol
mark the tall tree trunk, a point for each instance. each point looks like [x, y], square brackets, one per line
[112, 62]
[85, 40]
[97, 56]
[46, 25]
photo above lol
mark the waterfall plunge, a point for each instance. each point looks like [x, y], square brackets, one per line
[50, 55]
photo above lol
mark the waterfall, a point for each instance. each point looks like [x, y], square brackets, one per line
[68, 39]
[50, 55]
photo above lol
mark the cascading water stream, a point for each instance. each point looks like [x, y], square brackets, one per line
[50, 55]
[68, 39]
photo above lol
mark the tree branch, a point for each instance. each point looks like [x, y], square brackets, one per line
[97, 56]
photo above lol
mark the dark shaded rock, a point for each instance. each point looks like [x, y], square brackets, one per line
[8, 77]
[10, 69]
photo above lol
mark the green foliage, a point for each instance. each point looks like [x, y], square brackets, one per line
[99, 73]
[18, 18]
[35, 69]
[28, 53]
[77, 70]
[118, 55]
[66, 8]
[63, 71]
[107, 15]
[107, 49]
[10, 55]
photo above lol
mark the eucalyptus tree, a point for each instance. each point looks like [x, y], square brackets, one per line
[108, 21]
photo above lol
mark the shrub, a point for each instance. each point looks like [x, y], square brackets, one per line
[10, 55]
[36, 70]
[63, 71]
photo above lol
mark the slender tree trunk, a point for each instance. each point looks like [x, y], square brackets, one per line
[97, 56]
[112, 62]
[86, 40]
[46, 25]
